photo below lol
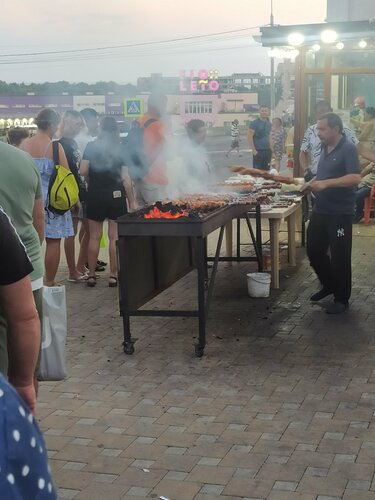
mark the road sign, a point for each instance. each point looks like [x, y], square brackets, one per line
[133, 108]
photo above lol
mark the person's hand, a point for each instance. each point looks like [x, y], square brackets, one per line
[27, 393]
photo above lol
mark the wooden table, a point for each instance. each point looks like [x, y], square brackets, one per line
[275, 216]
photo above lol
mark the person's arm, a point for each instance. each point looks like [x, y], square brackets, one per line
[84, 168]
[128, 186]
[367, 169]
[304, 159]
[38, 218]
[365, 153]
[366, 129]
[250, 140]
[271, 141]
[348, 180]
[62, 158]
[305, 151]
[23, 337]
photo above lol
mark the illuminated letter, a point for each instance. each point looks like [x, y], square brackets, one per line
[203, 74]
[203, 84]
[213, 85]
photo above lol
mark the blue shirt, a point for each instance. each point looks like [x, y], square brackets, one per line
[24, 472]
[343, 160]
[262, 129]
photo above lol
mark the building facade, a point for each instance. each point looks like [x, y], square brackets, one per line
[350, 10]
[216, 110]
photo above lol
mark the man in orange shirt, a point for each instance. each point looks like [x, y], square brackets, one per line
[152, 187]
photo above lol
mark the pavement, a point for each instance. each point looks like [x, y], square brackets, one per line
[281, 406]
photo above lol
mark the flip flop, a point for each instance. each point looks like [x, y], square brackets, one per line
[81, 278]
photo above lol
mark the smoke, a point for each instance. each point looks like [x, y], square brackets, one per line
[188, 168]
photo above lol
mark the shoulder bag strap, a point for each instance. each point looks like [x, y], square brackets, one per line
[149, 122]
[55, 152]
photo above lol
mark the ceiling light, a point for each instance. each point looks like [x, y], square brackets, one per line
[328, 36]
[340, 45]
[363, 44]
[283, 53]
[296, 39]
[316, 47]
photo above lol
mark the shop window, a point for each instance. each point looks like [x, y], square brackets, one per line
[315, 93]
[345, 88]
[198, 107]
[354, 59]
[314, 59]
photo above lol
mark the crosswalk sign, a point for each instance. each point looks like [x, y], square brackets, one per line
[133, 107]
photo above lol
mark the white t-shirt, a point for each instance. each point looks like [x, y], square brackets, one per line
[82, 139]
[312, 144]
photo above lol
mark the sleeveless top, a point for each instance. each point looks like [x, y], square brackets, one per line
[56, 226]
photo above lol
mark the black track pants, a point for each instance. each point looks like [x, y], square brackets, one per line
[329, 248]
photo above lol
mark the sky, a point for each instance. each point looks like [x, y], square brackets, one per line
[99, 25]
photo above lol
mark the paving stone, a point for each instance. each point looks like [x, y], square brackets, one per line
[136, 491]
[284, 413]
[184, 490]
[285, 486]
[65, 493]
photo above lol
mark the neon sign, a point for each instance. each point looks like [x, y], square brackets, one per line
[203, 80]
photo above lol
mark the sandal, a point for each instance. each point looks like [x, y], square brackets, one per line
[91, 281]
[79, 279]
[113, 283]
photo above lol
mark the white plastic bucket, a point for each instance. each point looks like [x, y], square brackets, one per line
[258, 284]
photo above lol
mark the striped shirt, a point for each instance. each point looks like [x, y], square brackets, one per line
[312, 144]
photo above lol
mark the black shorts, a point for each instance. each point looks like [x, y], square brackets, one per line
[105, 204]
[262, 160]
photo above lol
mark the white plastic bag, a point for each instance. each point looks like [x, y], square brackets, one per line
[54, 332]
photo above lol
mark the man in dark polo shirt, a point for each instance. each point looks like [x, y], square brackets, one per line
[329, 235]
[259, 139]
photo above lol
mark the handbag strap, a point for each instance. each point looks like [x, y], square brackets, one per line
[55, 152]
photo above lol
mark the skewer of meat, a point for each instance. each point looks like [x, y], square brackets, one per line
[255, 172]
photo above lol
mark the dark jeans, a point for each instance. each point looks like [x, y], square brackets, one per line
[329, 248]
[262, 160]
[360, 195]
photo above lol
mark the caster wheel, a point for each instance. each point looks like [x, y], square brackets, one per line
[199, 351]
[128, 348]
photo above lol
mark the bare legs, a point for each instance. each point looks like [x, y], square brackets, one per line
[95, 230]
[84, 238]
[112, 237]
[51, 260]
[69, 246]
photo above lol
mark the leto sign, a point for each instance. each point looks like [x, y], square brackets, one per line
[202, 81]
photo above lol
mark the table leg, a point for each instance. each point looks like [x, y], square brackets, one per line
[229, 239]
[201, 264]
[291, 221]
[275, 252]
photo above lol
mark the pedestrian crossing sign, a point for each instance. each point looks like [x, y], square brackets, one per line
[133, 107]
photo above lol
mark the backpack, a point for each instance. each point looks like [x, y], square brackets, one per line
[63, 192]
[134, 152]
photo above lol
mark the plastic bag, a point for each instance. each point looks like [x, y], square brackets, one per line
[54, 333]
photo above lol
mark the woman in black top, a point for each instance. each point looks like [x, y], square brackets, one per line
[70, 126]
[109, 189]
